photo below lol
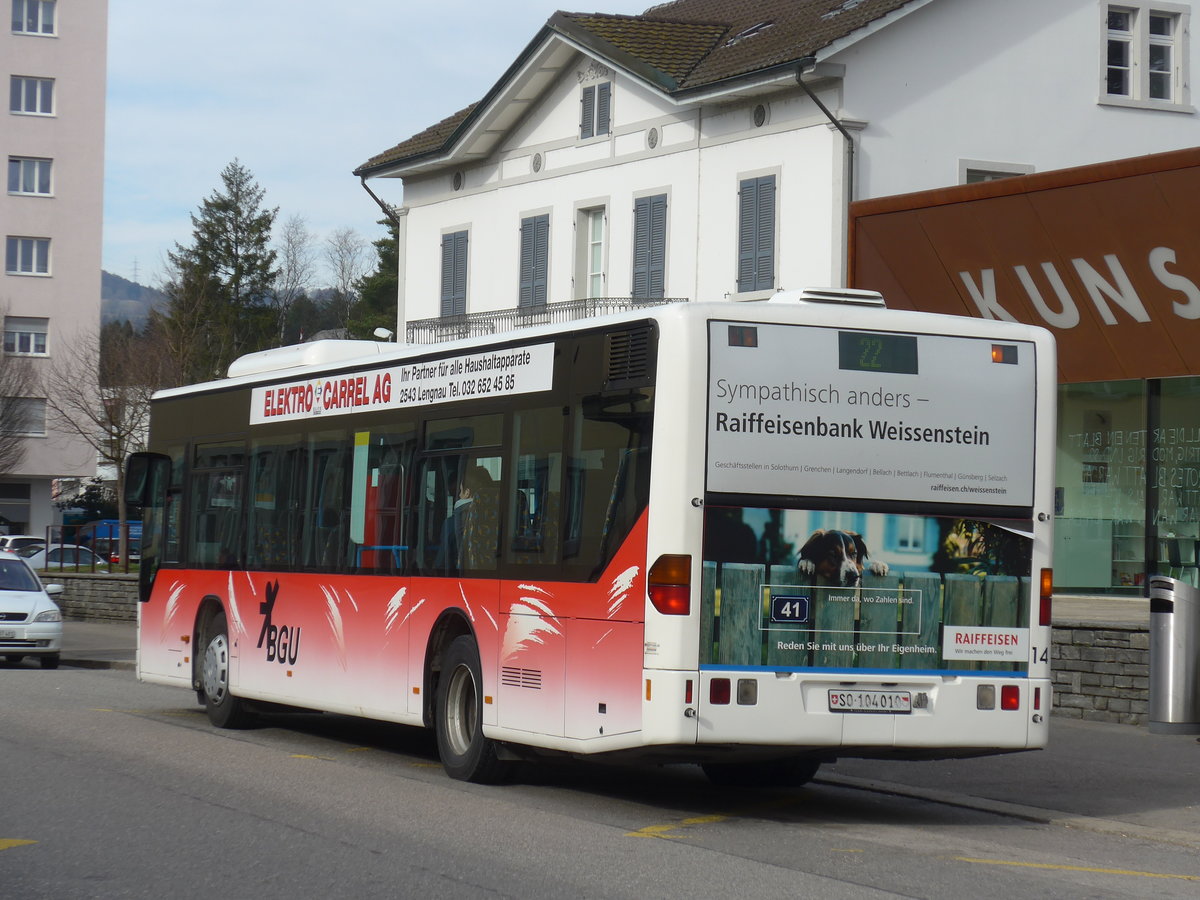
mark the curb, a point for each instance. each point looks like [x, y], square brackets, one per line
[122, 665]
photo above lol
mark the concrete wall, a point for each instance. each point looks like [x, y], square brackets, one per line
[96, 597]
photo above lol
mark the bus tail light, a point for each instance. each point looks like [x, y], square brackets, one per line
[1037, 698]
[670, 584]
[687, 692]
[1045, 591]
[719, 691]
[1010, 697]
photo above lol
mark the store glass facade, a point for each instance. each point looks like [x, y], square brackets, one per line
[1127, 501]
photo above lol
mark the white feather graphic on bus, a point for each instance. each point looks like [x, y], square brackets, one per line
[618, 591]
[392, 611]
[172, 607]
[531, 623]
[333, 615]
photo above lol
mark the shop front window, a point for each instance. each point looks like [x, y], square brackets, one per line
[1174, 491]
[1101, 488]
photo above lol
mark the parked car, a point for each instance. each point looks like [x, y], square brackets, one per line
[63, 556]
[30, 622]
[14, 542]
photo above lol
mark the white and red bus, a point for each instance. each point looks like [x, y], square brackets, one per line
[751, 535]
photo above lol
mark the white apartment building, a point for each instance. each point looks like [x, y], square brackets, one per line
[54, 61]
[707, 149]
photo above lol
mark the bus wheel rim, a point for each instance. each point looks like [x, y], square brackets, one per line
[461, 710]
[216, 668]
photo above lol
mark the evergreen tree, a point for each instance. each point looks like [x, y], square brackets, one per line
[220, 289]
[377, 292]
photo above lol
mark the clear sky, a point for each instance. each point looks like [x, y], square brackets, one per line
[300, 91]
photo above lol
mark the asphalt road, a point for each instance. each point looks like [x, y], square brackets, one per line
[113, 789]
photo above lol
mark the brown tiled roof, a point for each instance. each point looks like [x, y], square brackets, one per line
[431, 139]
[672, 49]
[686, 45]
[795, 29]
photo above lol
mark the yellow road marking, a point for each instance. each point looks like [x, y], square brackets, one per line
[847, 850]
[1062, 868]
[664, 831]
[310, 756]
[7, 843]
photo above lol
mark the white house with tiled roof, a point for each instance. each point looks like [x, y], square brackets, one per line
[708, 148]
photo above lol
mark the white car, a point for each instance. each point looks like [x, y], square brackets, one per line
[14, 542]
[63, 556]
[30, 622]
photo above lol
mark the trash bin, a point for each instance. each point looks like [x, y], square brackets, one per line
[1174, 656]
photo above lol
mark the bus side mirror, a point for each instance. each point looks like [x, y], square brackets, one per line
[141, 470]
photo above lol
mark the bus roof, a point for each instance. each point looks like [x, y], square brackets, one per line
[822, 307]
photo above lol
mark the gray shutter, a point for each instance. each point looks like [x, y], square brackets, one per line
[641, 247]
[649, 246]
[603, 94]
[587, 113]
[765, 252]
[534, 262]
[658, 245]
[756, 234]
[454, 273]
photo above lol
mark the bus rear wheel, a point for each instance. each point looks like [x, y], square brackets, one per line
[793, 771]
[224, 710]
[465, 753]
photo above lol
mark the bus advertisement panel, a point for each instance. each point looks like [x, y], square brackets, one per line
[886, 420]
[917, 418]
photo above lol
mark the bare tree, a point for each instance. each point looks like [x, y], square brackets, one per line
[346, 252]
[99, 388]
[18, 409]
[297, 262]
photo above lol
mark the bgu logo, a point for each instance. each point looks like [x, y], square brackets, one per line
[282, 641]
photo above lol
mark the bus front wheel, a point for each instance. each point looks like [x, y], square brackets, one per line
[224, 710]
[465, 753]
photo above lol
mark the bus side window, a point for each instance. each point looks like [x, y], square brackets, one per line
[215, 530]
[535, 489]
[377, 505]
[608, 476]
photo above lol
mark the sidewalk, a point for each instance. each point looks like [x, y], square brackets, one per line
[99, 644]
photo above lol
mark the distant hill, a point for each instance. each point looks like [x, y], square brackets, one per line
[122, 300]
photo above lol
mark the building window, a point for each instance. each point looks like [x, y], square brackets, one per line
[975, 171]
[535, 261]
[23, 415]
[27, 175]
[27, 256]
[454, 273]
[649, 246]
[31, 96]
[590, 231]
[756, 234]
[33, 16]
[25, 336]
[1145, 54]
[595, 101]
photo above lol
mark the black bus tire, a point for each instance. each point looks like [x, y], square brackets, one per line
[465, 753]
[224, 710]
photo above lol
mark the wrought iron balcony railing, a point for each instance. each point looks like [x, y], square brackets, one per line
[498, 321]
